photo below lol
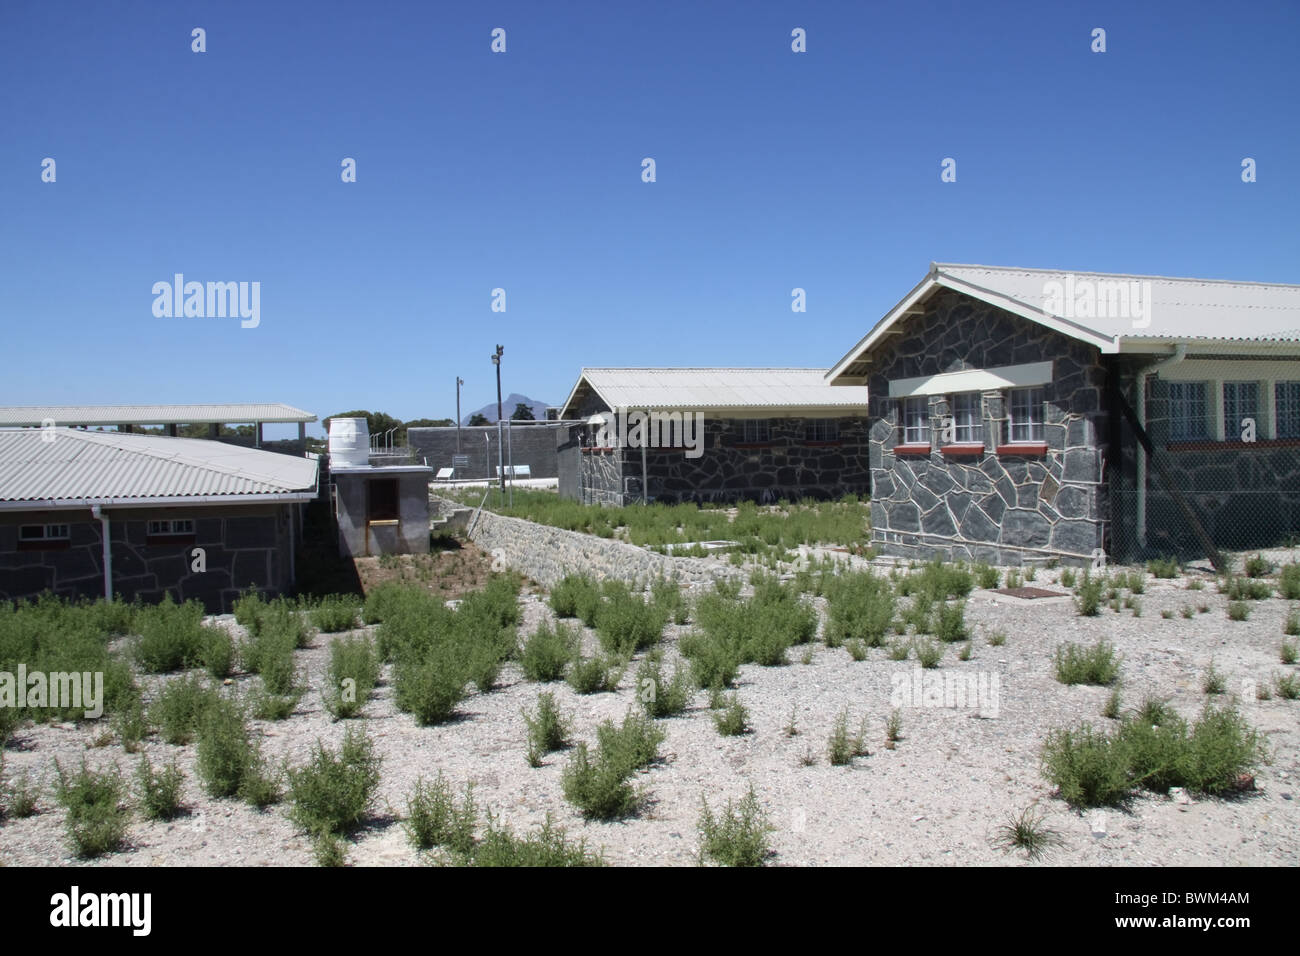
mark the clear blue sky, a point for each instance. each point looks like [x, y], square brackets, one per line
[523, 171]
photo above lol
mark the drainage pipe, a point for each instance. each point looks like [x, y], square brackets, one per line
[107, 550]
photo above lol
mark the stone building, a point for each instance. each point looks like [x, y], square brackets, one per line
[1019, 415]
[711, 434]
[93, 514]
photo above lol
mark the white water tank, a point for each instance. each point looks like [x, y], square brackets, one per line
[349, 443]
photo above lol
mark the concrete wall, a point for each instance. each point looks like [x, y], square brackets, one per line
[243, 546]
[410, 536]
[547, 554]
[532, 445]
[992, 507]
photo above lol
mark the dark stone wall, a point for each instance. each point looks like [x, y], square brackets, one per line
[531, 445]
[784, 467]
[997, 508]
[243, 546]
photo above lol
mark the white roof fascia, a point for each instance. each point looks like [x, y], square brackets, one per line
[973, 380]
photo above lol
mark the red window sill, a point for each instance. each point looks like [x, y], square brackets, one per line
[962, 451]
[1028, 448]
[1210, 445]
[911, 449]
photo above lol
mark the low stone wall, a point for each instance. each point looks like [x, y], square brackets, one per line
[547, 554]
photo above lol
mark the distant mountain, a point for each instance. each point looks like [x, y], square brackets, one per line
[508, 408]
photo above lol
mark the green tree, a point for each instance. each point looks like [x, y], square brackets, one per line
[523, 413]
[478, 418]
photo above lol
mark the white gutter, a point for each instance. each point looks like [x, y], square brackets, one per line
[1180, 352]
[107, 550]
[197, 501]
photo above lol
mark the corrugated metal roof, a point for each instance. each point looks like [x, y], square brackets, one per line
[705, 388]
[13, 415]
[1179, 308]
[1204, 311]
[64, 464]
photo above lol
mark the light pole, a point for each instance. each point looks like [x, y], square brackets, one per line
[459, 382]
[496, 360]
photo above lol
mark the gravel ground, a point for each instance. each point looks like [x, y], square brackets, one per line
[936, 799]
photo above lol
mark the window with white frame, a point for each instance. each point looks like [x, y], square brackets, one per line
[171, 527]
[822, 429]
[968, 426]
[43, 532]
[1240, 401]
[916, 421]
[1025, 415]
[1287, 404]
[1188, 411]
[756, 431]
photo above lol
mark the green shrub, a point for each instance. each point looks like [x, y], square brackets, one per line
[598, 788]
[986, 576]
[857, 650]
[434, 819]
[352, 674]
[548, 729]
[225, 748]
[1288, 686]
[171, 636]
[1088, 593]
[131, 725]
[1076, 664]
[1086, 767]
[738, 836]
[630, 745]
[626, 624]
[248, 608]
[429, 690]
[1214, 682]
[160, 790]
[1257, 566]
[661, 697]
[21, 798]
[733, 719]
[334, 613]
[1112, 709]
[842, 746]
[859, 606]
[591, 675]
[928, 653]
[217, 651]
[178, 709]
[380, 602]
[576, 595]
[893, 728]
[332, 793]
[714, 661]
[548, 652]
[1291, 628]
[1067, 578]
[952, 622]
[668, 598]
[1152, 749]
[268, 706]
[96, 820]
[1164, 567]
[1238, 610]
[1289, 651]
[329, 850]
[899, 651]
[1248, 589]
[1288, 582]
[547, 848]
